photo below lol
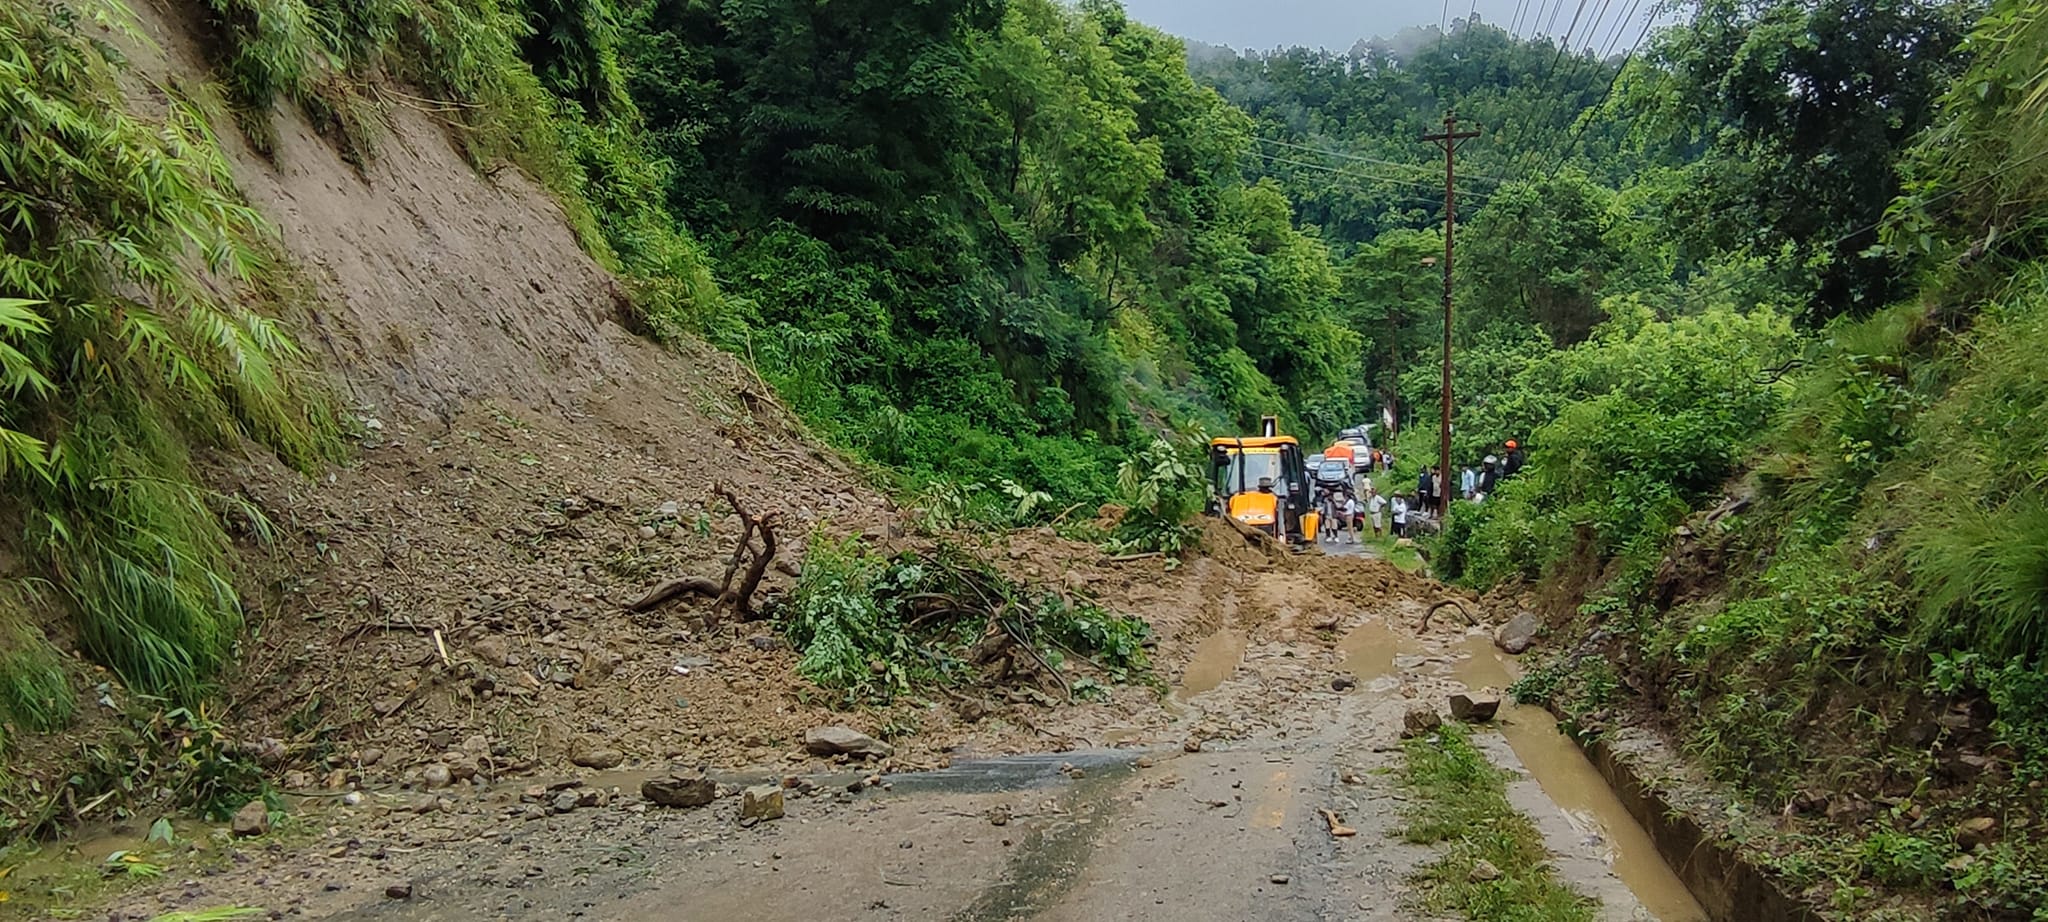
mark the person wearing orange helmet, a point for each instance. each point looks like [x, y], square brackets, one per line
[1512, 461]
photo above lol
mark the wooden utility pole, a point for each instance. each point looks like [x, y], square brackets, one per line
[1448, 140]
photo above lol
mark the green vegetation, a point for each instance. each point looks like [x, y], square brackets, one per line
[1161, 490]
[136, 329]
[874, 629]
[1818, 555]
[1761, 298]
[1461, 803]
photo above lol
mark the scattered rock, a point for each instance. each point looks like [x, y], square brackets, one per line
[675, 791]
[436, 775]
[1343, 681]
[761, 802]
[1483, 870]
[1971, 833]
[1519, 634]
[491, 649]
[268, 750]
[1194, 744]
[564, 802]
[1421, 720]
[1143, 762]
[1279, 878]
[1475, 707]
[597, 757]
[999, 815]
[252, 820]
[400, 891]
[765, 642]
[833, 741]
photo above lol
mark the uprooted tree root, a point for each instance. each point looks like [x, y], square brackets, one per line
[739, 598]
[1470, 621]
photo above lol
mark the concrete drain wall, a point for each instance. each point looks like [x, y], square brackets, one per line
[1729, 888]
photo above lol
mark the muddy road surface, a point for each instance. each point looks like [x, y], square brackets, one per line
[1217, 808]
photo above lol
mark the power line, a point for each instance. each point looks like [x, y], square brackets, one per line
[1563, 155]
[1881, 221]
[1579, 128]
[1622, 27]
[1366, 176]
[1567, 42]
[1593, 31]
[1575, 71]
[1365, 159]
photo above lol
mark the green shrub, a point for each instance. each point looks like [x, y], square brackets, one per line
[1902, 859]
[1161, 491]
[876, 629]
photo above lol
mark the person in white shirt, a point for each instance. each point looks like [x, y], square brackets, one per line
[1375, 504]
[1400, 516]
[1468, 482]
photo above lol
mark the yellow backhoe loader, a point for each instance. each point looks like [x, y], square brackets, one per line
[1261, 482]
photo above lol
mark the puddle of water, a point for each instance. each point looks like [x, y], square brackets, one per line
[1216, 657]
[1374, 649]
[1569, 779]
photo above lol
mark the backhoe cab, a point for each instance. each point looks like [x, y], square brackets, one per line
[1262, 482]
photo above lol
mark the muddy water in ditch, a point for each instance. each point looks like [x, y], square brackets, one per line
[1571, 781]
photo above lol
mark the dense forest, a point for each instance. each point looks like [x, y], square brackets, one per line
[1780, 260]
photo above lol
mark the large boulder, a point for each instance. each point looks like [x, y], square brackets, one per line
[1519, 634]
[252, 820]
[837, 741]
[761, 802]
[678, 791]
[1475, 707]
[1421, 720]
[596, 756]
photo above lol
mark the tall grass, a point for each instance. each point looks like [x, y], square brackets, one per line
[129, 336]
[1977, 541]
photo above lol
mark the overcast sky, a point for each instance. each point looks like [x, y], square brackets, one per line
[1335, 24]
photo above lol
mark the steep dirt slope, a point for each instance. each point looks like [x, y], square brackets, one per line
[435, 283]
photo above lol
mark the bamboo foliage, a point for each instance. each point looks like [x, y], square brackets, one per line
[129, 338]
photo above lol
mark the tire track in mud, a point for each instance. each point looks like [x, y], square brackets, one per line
[1047, 862]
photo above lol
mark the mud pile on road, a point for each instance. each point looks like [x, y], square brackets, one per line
[459, 598]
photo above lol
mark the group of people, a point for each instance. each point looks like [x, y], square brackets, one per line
[1346, 514]
[1348, 508]
[1474, 485]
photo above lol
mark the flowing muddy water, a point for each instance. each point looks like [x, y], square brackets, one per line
[1569, 779]
[1378, 654]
